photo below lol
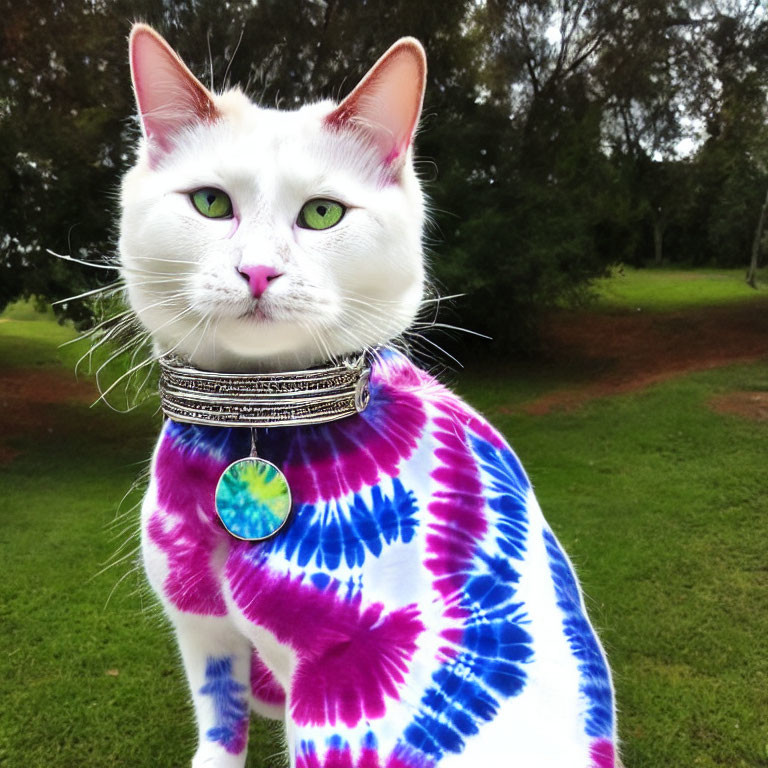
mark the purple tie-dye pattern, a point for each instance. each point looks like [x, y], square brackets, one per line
[331, 460]
[264, 687]
[490, 643]
[322, 462]
[353, 657]
[339, 755]
[185, 526]
[603, 754]
[350, 657]
[457, 510]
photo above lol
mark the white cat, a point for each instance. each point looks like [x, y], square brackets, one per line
[330, 292]
[416, 610]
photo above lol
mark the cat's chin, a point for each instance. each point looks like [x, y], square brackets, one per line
[256, 315]
[229, 362]
[258, 344]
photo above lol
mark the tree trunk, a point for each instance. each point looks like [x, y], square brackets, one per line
[752, 271]
[658, 239]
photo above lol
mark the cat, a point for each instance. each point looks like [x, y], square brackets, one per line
[416, 610]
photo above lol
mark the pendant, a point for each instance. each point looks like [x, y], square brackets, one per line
[253, 499]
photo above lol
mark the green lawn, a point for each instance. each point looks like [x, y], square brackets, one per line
[673, 289]
[659, 501]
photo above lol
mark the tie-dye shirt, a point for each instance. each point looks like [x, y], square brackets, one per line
[419, 610]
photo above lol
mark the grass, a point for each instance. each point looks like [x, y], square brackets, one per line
[659, 501]
[661, 504]
[88, 667]
[675, 289]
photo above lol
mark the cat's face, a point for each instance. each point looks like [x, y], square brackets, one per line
[257, 239]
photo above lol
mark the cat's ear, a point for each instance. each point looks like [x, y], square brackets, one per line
[386, 103]
[168, 95]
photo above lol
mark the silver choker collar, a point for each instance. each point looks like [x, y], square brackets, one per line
[289, 399]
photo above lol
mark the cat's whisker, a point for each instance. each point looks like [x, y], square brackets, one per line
[114, 561]
[367, 300]
[371, 318]
[112, 287]
[122, 321]
[158, 276]
[120, 518]
[158, 281]
[310, 326]
[102, 330]
[103, 395]
[203, 334]
[446, 326]
[438, 299]
[67, 257]
[95, 329]
[119, 556]
[138, 485]
[133, 570]
[210, 61]
[225, 81]
[115, 355]
[186, 336]
[117, 330]
[129, 390]
[108, 336]
[148, 361]
[432, 343]
[167, 261]
[362, 320]
[144, 382]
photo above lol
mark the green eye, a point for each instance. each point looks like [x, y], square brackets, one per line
[212, 203]
[320, 214]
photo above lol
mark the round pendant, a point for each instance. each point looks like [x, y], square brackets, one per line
[253, 499]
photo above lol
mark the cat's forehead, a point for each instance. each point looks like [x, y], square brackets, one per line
[257, 145]
[276, 126]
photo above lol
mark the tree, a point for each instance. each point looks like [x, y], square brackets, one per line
[551, 139]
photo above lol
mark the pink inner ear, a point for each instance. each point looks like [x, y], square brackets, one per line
[168, 95]
[387, 102]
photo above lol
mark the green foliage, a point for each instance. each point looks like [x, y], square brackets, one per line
[549, 144]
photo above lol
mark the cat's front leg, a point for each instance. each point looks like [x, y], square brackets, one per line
[217, 661]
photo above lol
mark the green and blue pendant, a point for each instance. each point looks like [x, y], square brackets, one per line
[253, 499]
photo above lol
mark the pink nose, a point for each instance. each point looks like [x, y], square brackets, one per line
[258, 278]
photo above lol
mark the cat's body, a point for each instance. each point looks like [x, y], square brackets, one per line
[417, 610]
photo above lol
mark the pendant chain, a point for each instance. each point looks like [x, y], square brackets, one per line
[254, 454]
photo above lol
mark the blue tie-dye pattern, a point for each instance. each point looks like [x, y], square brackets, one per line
[494, 642]
[595, 683]
[328, 533]
[222, 443]
[510, 485]
[369, 741]
[326, 583]
[229, 703]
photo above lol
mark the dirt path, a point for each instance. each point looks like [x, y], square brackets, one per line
[26, 399]
[626, 351]
[630, 351]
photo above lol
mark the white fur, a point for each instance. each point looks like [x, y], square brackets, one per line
[355, 285]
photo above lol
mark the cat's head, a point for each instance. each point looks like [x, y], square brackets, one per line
[258, 239]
